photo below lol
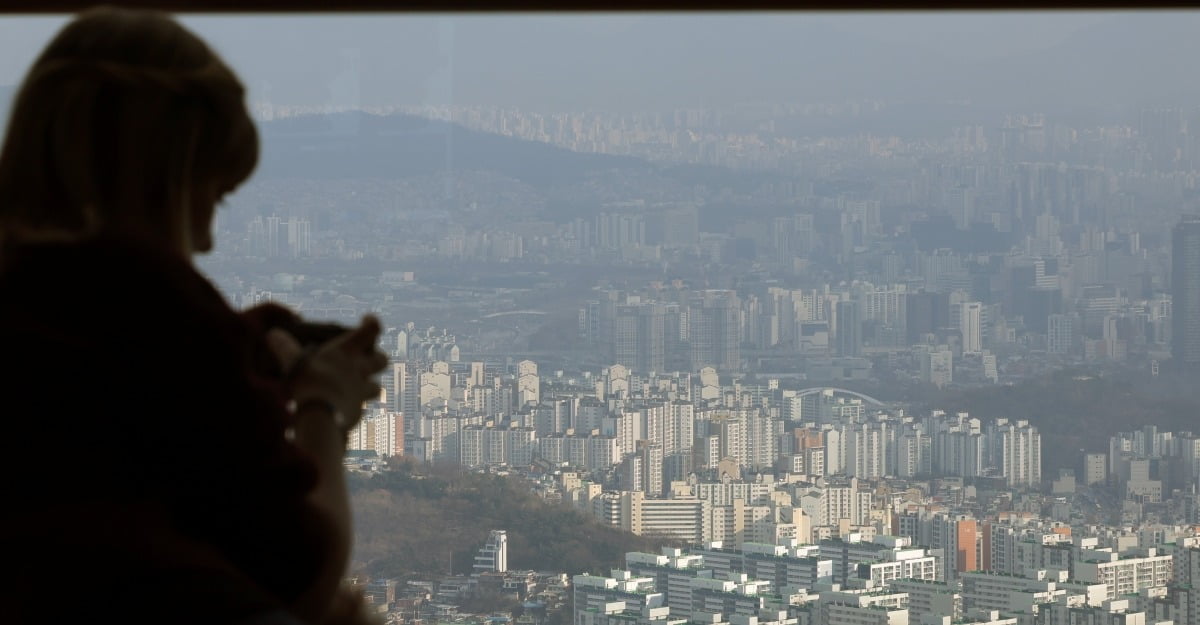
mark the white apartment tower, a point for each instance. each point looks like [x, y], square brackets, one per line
[970, 324]
[493, 556]
[1017, 451]
[528, 383]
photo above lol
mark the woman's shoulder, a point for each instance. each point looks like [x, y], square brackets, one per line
[274, 617]
[109, 291]
[104, 270]
[85, 253]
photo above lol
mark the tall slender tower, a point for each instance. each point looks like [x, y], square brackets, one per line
[848, 317]
[1185, 291]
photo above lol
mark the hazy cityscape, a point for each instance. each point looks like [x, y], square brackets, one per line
[897, 351]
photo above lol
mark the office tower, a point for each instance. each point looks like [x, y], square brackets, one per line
[925, 313]
[849, 329]
[1060, 334]
[1035, 304]
[714, 330]
[1185, 291]
[625, 336]
[960, 202]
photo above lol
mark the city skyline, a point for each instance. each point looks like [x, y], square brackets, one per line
[882, 318]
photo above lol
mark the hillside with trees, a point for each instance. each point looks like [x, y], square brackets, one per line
[1075, 411]
[418, 522]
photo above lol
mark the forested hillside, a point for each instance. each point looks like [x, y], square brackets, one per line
[415, 523]
[1077, 412]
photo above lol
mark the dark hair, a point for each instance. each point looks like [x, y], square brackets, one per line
[128, 123]
[124, 122]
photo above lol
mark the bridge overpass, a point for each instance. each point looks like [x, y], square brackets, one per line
[513, 312]
[867, 399]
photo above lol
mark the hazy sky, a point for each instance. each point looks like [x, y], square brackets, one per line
[649, 61]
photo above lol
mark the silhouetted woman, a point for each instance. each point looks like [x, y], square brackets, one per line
[165, 458]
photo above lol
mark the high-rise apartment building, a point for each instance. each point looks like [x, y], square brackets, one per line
[970, 324]
[1185, 291]
[381, 432]
[867, 450]
[275, 237]
[1016, 450]
[528, 383]
[639, 336]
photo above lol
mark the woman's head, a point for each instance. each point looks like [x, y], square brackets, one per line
[126, 122]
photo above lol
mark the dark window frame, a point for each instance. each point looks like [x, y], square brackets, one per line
[342, 6]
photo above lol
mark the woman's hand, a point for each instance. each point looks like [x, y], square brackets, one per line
[339, 376]
[340, 372]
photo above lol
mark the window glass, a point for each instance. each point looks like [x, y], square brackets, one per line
[647, 252]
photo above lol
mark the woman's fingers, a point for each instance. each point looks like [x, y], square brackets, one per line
[363, 338]
[285, 347]
[360, 342]
[342, 370]
[378, 361]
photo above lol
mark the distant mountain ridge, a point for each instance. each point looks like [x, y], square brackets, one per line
[356, 144]
[363, 145]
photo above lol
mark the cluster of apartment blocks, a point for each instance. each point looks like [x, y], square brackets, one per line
[652, 430]
[887, 581]
[671, 326]
[665, 455]
[1147, 465]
